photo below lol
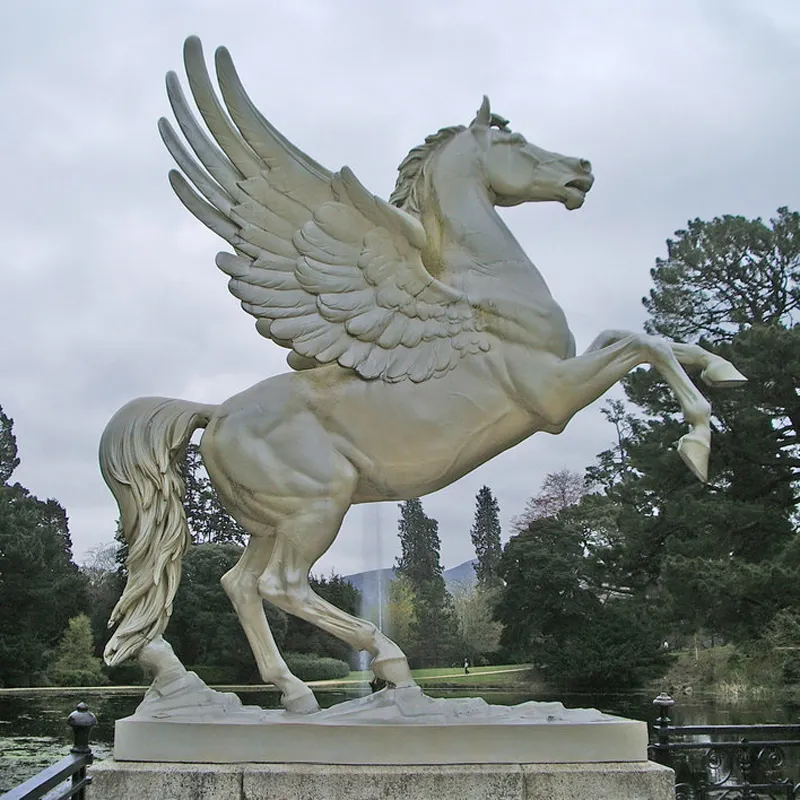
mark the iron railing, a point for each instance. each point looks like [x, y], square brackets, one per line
[724, 762]
[72, 768]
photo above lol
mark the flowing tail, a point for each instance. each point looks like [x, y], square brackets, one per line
[140, 453]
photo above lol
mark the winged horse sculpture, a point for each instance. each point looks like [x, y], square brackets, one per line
[422, 342]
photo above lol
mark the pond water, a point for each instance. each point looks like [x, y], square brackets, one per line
[34, 734]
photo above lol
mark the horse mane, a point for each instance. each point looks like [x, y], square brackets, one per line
[406, 194]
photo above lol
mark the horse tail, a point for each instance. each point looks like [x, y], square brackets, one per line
[140, 454]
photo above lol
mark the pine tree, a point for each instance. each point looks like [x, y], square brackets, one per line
[40, 585]
[434, 627]
[725, 556]
[8, 448]
[209, 522]
[485, 535]
[75, 664]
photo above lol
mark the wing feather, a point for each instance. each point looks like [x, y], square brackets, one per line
[219, 166]
[327, 269]
[214, 116]
[276, 151]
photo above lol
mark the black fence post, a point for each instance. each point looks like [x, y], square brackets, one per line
[81, 721]
[661, 748]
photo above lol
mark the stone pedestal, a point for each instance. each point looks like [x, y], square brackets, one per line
[193, 743]
[599, 781]
[392, 727]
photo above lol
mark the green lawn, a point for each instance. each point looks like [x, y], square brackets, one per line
[498, 675]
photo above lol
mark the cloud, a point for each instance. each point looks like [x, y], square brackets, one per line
[109, 289]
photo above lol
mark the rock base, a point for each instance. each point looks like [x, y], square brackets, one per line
[611, 781]
[391, 727]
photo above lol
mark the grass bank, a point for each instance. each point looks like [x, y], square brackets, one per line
[733, 674]
[502, 676]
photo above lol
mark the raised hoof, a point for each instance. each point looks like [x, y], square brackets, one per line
[304, 703]
[722, 374]
[393, 670]
[694, 452]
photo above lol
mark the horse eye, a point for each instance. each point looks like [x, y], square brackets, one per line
[516, 138]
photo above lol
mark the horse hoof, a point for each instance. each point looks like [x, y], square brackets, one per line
[304, 703]
[393, 670]
[722, 374]
[694, 452]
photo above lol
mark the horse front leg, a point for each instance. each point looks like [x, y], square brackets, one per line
[582, 379]
[717, 372]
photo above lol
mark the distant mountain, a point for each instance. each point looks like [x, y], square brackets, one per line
[463, 574]
[374, 583]
[367, 582]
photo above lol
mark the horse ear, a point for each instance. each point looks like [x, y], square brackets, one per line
[484, 116]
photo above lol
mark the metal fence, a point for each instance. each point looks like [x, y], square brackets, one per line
[72, 768]
[725, 762]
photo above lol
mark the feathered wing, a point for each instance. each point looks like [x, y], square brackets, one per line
[326, 268]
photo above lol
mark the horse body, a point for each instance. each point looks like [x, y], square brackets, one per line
[399, 437]
[426, 342]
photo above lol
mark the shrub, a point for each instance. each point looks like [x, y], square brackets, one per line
[128, 674]
[311, 667]
[74, 663]
[212, 674]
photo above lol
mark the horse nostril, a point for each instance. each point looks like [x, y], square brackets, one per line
[586, 166]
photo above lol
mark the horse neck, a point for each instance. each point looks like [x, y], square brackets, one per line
[472, 248]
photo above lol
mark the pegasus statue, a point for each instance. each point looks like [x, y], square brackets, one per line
[422, 342]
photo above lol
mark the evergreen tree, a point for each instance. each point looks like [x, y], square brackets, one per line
[303, 637]
[578, 633]
[40, 585]
[209, 522]
[104, 587]
[8, 448]
[204, 628]
[434, 628]
[75, 663]
[726, 276]
[485, 535]
[725, 557]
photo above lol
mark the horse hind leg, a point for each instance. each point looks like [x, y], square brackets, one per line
[241, 585]
[300, 541]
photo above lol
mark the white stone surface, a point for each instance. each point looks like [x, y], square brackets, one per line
[425, 342]
[394, 726]
[126, 781]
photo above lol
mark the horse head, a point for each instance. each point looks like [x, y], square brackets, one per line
[514, 170]
[520, 172]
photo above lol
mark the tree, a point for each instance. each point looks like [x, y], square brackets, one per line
[725, 276]
[204, 628]
[559, 490]
[542, 568]
[578, 634]
[401, 614]
[75, 663]
[434, 626]
[209, 522]
[40, 586]
[724, 557]
[478, 630]
[104, 587]
[303, 637]
[8, 448]
[485, 536]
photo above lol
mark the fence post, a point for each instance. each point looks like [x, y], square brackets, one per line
[81, 721]
[661, 748]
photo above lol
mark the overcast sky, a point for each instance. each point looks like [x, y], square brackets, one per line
[109, 290]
